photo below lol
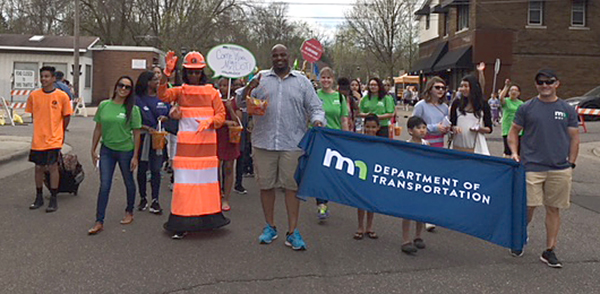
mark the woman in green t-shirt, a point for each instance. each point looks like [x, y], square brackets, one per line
[336, 113]
[509, 105]
[118, 124]
[378, 102]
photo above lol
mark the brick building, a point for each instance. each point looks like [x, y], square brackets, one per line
[100, 65]
[112, 62]
[525, 35]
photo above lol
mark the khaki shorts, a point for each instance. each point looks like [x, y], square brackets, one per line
[549, 188]
[276, 169]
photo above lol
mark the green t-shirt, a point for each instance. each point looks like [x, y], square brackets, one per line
[335, 108]
[378, 107]
[509, 108]
[116, 130]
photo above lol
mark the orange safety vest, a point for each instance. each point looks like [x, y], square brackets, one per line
[196, 189]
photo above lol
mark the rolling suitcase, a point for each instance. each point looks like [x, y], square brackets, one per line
[71, 174]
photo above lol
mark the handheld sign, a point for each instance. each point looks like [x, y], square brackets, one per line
[231, 61]
[311, 50]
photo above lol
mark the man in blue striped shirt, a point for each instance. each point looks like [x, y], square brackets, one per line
[292, 105]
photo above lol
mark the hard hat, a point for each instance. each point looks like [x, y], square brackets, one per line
[194, 60]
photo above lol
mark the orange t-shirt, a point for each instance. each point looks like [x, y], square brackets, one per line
[48, 110]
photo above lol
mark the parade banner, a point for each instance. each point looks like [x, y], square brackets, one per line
[474, 194]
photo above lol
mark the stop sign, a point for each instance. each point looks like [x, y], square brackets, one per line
[311, 50]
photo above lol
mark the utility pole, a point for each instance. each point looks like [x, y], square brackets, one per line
[76, 52]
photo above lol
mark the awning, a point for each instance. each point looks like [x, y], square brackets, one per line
[426, 64]
[453, 2]
[459, 58]
[423, 11]
[440, 9]
[406, 79]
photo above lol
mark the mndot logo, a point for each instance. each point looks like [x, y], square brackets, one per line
[351, 164]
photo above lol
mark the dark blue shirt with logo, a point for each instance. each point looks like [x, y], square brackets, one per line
[151, 108]
[546, 141]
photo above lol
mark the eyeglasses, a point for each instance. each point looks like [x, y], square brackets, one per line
[547, 82]
[439, 87]
[194, 72]
[123, 86]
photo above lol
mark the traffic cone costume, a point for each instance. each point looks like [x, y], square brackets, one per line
[196, 200]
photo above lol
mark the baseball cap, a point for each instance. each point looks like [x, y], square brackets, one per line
[546, 73]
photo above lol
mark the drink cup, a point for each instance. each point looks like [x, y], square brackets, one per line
[256, 106]
[159, 140]
[235, 134]
[397, 131]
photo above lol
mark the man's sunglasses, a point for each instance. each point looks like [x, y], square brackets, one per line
[123, 86]
[547, 82]
[439, 87]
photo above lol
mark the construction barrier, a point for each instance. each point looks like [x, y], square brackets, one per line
[586, 111]
[20, 92]
[8, 110]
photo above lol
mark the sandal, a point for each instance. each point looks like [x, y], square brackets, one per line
[372, 235]
[359, 236]
[409, 248]
[419, 243]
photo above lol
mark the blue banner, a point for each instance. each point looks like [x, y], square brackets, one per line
[479, 195]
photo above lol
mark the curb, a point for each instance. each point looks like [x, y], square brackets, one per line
[596, 151]
[24, 153]
[14, 156]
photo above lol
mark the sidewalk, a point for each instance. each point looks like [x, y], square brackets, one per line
[13, 148]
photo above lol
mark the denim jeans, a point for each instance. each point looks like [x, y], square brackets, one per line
[108, 161]
[154, 163]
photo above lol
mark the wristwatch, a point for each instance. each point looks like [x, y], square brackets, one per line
[573, 165]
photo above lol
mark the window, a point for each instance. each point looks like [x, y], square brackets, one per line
[446, 23]
[462, 17]
[536, 13]
[427, 21]
[88, 76]
[578, 13]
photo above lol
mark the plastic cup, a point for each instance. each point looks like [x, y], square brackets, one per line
[256, 106]
[235, 134]
[159, 140]
[397, 131]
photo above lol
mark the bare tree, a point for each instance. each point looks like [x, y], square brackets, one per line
[380, 28]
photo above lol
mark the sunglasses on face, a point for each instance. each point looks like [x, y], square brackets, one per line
[439, 87]
[123, 86]
[194, 72]
[547, 82]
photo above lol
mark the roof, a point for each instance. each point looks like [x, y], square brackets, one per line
[127, 49]
[45, 43]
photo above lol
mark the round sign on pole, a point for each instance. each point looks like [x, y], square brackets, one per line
[311, 50]
[230, 61]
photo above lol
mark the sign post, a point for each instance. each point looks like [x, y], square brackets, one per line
[230, 61]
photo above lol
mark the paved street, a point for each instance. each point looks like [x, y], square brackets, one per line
[52, 253]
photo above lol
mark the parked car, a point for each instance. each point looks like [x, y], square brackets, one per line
[590, 99]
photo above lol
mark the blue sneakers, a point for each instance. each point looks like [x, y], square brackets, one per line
[268, 235]
[295, 241]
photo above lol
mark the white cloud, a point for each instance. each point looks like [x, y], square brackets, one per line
[314, 14]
